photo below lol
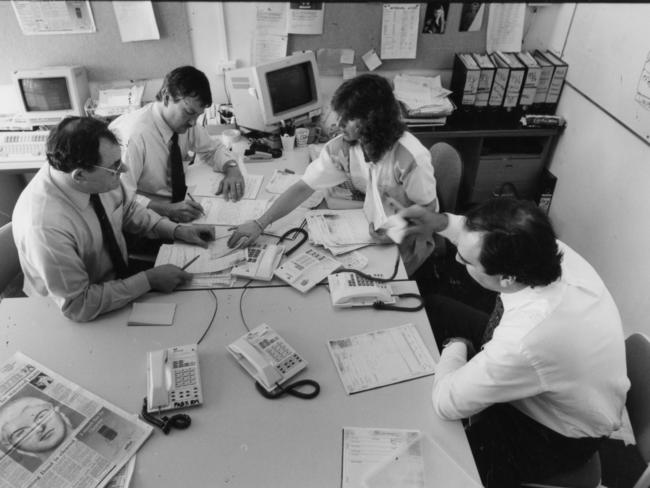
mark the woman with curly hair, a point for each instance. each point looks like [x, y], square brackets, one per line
[374, 148]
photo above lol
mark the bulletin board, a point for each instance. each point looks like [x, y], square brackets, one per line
[615, 74]
[358, 26]
[104, 55]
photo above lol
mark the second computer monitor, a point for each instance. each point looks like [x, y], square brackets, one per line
[268, 93]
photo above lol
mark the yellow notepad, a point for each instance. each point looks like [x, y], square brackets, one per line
[152, 314]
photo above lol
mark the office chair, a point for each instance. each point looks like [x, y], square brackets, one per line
[10, 269]
[637, 354]
[448, 170]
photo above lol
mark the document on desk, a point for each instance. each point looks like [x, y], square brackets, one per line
[380, 358]
[340, 231]
[221, 212]
[217, 257]
[100, 433]
[386, 458]
[209, 184]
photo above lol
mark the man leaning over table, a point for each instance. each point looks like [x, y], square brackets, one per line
[543, 379]
[157, 139]
[69, 221]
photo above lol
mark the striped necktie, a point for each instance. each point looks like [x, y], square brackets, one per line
[178, 175]
[108, 236]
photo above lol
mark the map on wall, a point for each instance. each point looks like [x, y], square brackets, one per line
[608, 51]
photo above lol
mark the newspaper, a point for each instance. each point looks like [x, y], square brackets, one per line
[54, 433]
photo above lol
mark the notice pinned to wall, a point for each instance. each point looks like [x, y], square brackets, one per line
[38, 17]
[505, 29]
[305, 18]
[136, 20]
[399, 30]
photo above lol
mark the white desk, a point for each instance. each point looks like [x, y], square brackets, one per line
[238, 438]
[381, 259]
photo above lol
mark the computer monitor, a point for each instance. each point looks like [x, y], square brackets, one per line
[48, 95]
[284, 89]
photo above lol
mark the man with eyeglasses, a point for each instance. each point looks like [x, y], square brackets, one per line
[69, 225]
[157, 139]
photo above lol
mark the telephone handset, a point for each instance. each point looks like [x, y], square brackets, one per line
[173, 378]
[261, 262]
[348, 289]
[267, 357]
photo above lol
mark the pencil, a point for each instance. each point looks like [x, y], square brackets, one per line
[186, 265]
[189, 195]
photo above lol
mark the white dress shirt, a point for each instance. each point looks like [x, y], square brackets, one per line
[558, 355]
[61, 249]
[145, 139]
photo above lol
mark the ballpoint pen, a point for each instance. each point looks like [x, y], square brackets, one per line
[186, 265]
[192, 198]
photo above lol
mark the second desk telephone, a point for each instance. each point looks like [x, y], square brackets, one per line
[347, 289]
[267, 357]
[173, 378]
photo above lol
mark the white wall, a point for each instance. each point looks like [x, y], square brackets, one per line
[601, 205]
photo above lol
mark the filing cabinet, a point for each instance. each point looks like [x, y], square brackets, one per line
[493, 157]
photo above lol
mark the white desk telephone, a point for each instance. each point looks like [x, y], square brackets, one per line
[261, 261]
[267, 357]
[347, 289]
[173, 378]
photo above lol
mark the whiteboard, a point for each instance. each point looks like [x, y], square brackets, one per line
[608, 51]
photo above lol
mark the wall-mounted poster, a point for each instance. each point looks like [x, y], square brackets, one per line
[54, 17]
[435, 18]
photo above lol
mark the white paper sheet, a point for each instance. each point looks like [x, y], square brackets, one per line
[37, 17]
[271, 17]
[371, 60]
[381, 358]
[505, 29]
[305, 17]
[209, 185]
[269, 46]
[221, 212]
[399, 30]
[136, 20]
[382, 458]
[217, 257]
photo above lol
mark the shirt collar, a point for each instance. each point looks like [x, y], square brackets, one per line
[64, 182]
[528, 294]
[165, 131]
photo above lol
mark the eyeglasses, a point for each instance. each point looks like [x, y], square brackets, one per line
[114, 171]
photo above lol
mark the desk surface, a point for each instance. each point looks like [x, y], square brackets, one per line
[238, 438]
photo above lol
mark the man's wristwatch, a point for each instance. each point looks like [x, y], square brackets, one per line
[229, 164]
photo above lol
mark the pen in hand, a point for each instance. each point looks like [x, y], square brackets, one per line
[186, 265]
[189, 195]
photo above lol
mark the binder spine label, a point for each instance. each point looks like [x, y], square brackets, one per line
[498, 87]
[484, 85]
[514, 86]
[471, 85]
[544, 82]
[530, 87]
[556, 84]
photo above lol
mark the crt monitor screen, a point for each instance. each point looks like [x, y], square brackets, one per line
[291, 87]
[45, 94]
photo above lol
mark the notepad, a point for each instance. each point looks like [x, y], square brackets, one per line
[152, 314]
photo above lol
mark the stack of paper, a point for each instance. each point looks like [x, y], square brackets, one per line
[339, 231]
[423, 99]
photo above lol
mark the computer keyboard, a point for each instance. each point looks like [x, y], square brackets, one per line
[23, 146]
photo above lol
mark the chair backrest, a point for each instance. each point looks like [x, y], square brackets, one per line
[448, 169]
[637, 353]
[10, 262]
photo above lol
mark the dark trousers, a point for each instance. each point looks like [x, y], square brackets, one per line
[508, 446]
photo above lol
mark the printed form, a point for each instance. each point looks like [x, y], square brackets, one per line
[380, 358]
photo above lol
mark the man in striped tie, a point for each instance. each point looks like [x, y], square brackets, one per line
[543, 380]
[70, 220]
